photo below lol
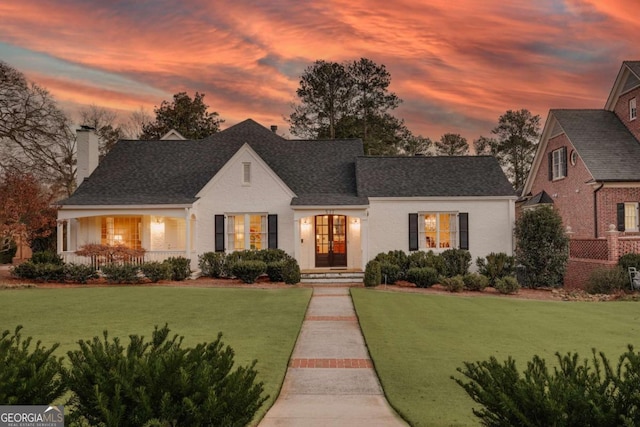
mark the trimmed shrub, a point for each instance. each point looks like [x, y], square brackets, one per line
[79, 273]
[156, 271]
[274, 270]
[541, 247]
[453, 284]
[159, 382]
[475, 281]
[211, 264]
[607, 281]
[121, 273]
[420, 259]
[456, 262]
[372, 274]
[272, 255]
[28, 377]
[179, 268]
[507, 285]
[41, 272]
[496, 266]
[291, 271]
[390, 273]
[248, 271]
[629, 260]
[423, 277]
[396, 257]
[574, 393]
[46, 257]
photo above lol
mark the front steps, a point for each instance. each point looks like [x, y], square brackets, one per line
[331, 276]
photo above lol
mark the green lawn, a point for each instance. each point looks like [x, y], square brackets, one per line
[418, 341]
[257, 324]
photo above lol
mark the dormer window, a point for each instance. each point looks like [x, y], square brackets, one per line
[246, 173]
[633, 110]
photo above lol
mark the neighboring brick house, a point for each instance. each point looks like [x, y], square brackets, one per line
[588, 167]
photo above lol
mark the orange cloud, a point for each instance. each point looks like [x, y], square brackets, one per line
[457, 65]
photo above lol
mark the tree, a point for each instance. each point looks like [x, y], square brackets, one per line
[371, 95]
[541, 247]
[416, 146]
[104, 121]
[515, 143]
[133, 126]
[36, 135]
[349, 100]
[326, 89]
[452, 144]
[188, 116]
[25, 210]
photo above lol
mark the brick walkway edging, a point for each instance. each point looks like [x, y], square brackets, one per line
[331, 363]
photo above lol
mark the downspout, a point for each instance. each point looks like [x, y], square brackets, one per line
[595, 209]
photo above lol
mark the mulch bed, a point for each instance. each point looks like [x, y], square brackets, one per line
[9, 282]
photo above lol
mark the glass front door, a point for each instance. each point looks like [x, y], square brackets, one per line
[331, 240]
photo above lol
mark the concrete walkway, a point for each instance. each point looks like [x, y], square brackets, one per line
[330, 380]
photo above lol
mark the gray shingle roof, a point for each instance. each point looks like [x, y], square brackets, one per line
[441, 176]
[634, 66]
[605, 145]
[173, 172]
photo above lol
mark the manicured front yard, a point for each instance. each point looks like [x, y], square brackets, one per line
[418, 341]
[257, 324]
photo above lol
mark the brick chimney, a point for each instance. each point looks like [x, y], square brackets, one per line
[88, 153]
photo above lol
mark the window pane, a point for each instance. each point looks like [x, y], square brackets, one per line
[630, 218]
[121, 231]
[238, 233]
[430, 230]
[255, 231]
[445, 235]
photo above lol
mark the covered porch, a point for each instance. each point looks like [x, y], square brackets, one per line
[161, 232]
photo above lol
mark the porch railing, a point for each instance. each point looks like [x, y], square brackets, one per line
[99, 261]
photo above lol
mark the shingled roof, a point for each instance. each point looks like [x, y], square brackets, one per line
[443, 176]
[607, 148]
[173, 172]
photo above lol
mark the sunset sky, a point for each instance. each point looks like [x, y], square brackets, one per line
[457, 64]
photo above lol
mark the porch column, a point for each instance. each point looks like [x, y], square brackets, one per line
[187, 219]
[60, 236]
[297, 250]
[364, 240]
[69, 234]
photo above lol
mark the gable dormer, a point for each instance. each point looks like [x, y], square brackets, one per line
[625, 96]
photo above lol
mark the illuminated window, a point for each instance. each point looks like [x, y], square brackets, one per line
[247, 231]
[121, 230]
[633, 109]
[439, 230]
[631, 216]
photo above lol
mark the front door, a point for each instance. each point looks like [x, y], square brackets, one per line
[331, 241]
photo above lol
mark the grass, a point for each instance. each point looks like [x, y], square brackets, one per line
[418, 341]
[257, 324]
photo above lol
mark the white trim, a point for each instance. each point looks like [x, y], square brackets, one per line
[441, 198]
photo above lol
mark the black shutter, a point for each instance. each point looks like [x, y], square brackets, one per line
[620, 215]
[413, 231]
[564, 161]
[272, 228]
[219, 233]
[463, 219]
[550, 158]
